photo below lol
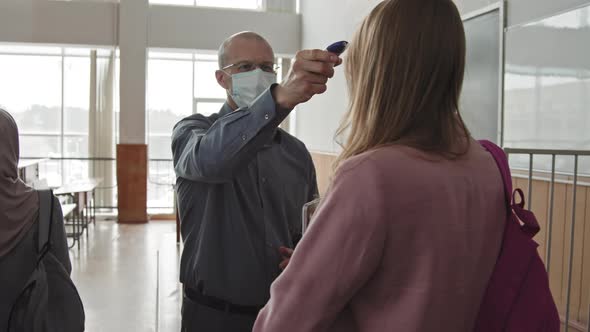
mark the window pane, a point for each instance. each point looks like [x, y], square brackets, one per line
[160, 147]
[206, 85]
[75, 170]
[244, 4]
[76, 95]
[208, 108]
[169, 94]
[169, 100]
[39, 146]
[76, 146]
[160, 189]
[50, 170]
[30, 89]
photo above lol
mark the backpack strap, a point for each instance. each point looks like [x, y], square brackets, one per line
[502, 163]
[530, 224]
[45, 219]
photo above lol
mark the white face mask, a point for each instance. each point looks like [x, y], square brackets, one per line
[246, 87]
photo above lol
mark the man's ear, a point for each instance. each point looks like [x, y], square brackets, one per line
[222, 79]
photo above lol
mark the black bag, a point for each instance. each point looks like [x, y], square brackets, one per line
[49, 301]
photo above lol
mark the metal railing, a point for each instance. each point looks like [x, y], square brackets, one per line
[161, 180]
[573, 179]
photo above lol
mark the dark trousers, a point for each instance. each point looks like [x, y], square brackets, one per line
[200, 318]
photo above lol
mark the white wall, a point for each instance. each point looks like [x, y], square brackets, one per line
[96, 23]
[58, 22]
[206, 28]
[324, 22]
[329, 20]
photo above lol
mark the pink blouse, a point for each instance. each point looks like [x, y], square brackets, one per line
[403, 241]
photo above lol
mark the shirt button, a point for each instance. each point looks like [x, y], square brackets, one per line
[263, 180]
[266, 116]
[243, 137]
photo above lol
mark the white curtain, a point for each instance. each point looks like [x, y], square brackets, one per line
[101, 138]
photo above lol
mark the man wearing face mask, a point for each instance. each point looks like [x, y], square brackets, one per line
[241, 184]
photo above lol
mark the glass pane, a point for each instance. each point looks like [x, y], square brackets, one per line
[478, 104]
[160, 185]
[76, 95]
[160, 146]
[546, 95]
[30, 89]
[39, 146]
[243, 4]
[547, 88]
[76, 146]
[75, 170]
[570, 20]
[50, 170]
[208, 108]
[169, 100]
[169, 94]
[206, 85]
[173, 2]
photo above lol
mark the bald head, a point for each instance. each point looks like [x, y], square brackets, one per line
[244, 46]
[240, 50]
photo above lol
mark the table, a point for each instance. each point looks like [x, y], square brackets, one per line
[81, 194]
[28, 170]
[68, 210]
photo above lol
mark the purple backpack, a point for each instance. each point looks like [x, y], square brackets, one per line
[518, 297]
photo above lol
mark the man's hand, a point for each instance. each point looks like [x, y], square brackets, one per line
[286, 253]
[309, 73]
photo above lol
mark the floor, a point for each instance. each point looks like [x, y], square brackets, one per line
[127, 277]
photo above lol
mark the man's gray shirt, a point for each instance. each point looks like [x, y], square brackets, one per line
[241, 184]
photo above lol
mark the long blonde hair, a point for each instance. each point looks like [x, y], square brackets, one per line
[405, 69]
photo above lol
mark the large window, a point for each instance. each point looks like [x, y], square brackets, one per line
[169, 100]
[47, 90]
[179, 84]
[30, 89]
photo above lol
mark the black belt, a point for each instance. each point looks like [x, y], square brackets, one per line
[219, 304]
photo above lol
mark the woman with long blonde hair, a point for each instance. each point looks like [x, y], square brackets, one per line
[411, 227]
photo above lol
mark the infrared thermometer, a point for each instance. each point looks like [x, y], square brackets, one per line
[338, 47]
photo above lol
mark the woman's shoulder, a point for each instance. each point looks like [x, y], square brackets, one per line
[387, 158]
[369, 173]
